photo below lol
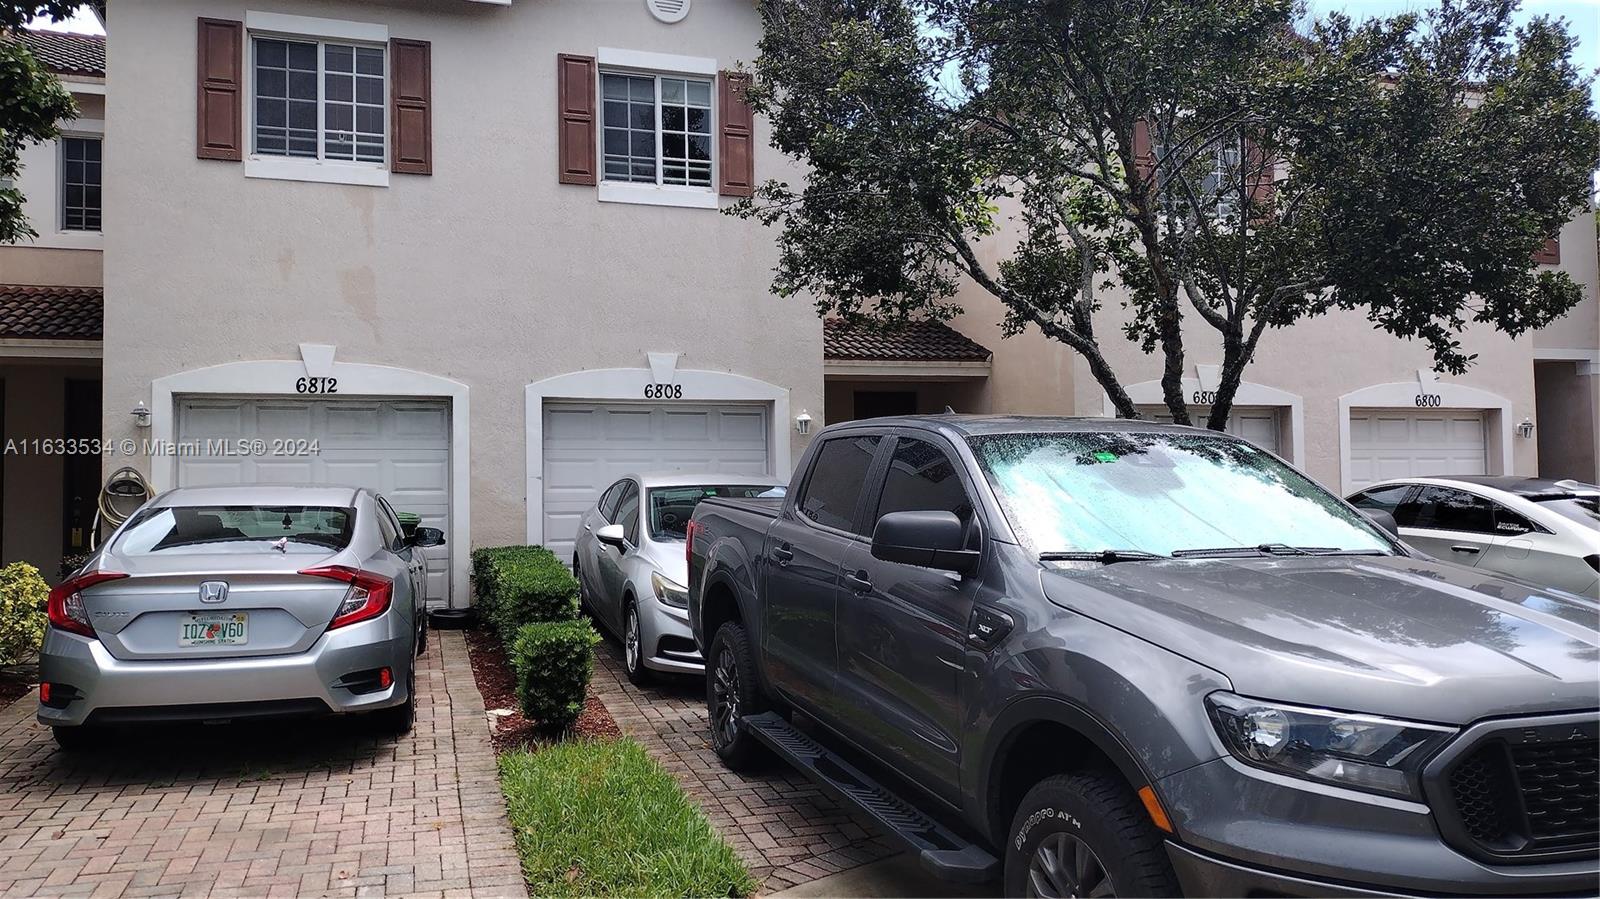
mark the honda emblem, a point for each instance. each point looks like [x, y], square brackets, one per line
[213, 591]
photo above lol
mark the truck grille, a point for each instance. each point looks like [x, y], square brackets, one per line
[1530, 798]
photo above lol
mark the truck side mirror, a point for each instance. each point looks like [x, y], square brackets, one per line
[1383, 519]
[929, 539]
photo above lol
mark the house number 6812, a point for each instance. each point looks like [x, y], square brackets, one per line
[663, 391]
[316, 385]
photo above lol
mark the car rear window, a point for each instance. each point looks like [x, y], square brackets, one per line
[177, 530]
[1584, 510]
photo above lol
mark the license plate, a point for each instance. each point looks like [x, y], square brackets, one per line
[216, 629]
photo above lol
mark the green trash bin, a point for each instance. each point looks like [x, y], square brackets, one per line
[409, 522]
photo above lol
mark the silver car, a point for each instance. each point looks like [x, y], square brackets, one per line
[1539, 530]
[220, 603]
[631, 570]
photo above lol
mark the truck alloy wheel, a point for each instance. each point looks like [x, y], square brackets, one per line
[1064, 865]
[725, 701]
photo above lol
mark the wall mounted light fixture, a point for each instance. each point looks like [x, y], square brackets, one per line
[802, 422]
[1525, 429]
[141, 415]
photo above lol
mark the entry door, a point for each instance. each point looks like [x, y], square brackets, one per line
[902, 628]
[398, 448]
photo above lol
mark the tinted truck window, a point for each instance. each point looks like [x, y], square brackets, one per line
[921, 478]
[837, 479]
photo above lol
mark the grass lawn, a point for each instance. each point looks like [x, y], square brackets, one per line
[604, 819]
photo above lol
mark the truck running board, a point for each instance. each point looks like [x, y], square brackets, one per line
[943, 853]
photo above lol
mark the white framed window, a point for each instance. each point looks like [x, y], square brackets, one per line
[318, 100]
[80, 182]
[1219, 168]
[656, 129]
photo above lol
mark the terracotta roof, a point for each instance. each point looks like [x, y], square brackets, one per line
[66, 54]
[920, 341]
[51, 313]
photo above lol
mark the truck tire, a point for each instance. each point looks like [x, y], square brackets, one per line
[1085, 835]
[732, 693]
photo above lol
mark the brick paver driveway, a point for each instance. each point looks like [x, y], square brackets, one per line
[787, 831]
[291, 809]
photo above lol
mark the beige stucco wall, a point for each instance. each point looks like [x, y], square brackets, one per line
[55, 257]
[488, 272]
[49, 267]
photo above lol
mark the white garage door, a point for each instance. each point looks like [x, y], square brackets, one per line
[587, 446]
[1401, 443]
[400, 448]
[1257, 424]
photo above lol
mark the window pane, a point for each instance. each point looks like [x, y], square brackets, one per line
[672, 145]
[339, 88]
[303, 56]
[303, 116]
[285, 69]
[671, 118]
[339, 118]
[369, 119]
[369, 61]
[614, 87]
[616, 141]
[700, 121]
[369, 90]
[641, 90]
[700, 93]
[302, 85]
[80, 184]
[644, 144]
[628, 118]
[271, 83]
[837, 479]
[271, 112]
[271, 53]
[672, 90]
[1440, 508]
[1384, 498]
[922, 479]
[642, 115]
[700, 147]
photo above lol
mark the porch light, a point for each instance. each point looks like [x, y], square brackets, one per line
[802, 422]
[1525, 429]
[141, 415]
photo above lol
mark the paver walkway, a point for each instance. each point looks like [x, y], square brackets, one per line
[290, 809]
[787, 830]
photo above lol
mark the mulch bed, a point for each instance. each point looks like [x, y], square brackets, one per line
[496, 681]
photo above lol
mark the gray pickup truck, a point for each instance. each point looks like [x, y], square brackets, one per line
[1121, 658]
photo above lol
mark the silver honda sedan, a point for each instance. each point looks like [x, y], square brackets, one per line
[631, 569]
[221, 603]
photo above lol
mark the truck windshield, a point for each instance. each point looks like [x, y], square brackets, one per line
[1162, 493]
[236, 529]
[670, 507]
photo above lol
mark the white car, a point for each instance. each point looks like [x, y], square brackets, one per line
[631, 569]
[1543, 531]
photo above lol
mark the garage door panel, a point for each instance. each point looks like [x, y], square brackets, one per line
[1257, 424]
[587, 446]
[398, 448]
[1394, 443]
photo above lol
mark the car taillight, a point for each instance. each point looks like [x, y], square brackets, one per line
[368, 597]
[65, 606]
[688, 540]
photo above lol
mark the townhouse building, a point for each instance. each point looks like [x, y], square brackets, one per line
[468, 253]
[50, 322]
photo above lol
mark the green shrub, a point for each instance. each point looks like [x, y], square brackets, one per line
[604, 819]
[553, 661]
[22, 619]
[70, 563]
[516, 585]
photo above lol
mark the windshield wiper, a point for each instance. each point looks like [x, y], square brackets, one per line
[1103, 556]
[1261, 549]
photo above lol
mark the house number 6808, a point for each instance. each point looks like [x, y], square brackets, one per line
[663, 391]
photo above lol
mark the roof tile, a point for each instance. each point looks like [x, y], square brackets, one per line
[51, 313]
[66, 54]
[917, 341]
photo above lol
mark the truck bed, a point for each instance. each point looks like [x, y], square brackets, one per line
[764, 506]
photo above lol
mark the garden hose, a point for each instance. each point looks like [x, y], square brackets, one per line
[128, 487]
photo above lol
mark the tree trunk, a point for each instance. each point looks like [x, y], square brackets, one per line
[1108, 381]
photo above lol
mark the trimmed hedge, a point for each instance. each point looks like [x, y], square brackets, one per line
[22, 618]
[553, 661]
[516, 585]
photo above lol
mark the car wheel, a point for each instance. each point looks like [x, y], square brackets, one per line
[397, 721]
[1085, 835]
[76, 739]
[633, 647]
[584, 608]
[422, 633]
[731, 693]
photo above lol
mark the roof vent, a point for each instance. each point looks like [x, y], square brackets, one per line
[668, 11]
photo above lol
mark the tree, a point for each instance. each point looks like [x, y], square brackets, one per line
[1229, 160]
[32, 105]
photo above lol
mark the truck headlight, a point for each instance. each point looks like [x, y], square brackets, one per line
[669, 591]
[1362, 752]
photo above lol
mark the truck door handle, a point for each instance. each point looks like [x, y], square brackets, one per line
[1465, 548]
[859, 582]
[783, 554]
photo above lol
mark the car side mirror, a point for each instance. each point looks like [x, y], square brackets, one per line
[613, 535]
[427, 537]
[1383, 520]
[929, 539]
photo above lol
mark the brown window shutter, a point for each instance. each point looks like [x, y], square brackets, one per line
[411, 95]
[736, 157]
[576, 132]
[1261, 172]
[1550, 253]
[218, 130]
[1144, 154]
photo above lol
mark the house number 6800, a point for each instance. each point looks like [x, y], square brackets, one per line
[663, 391]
